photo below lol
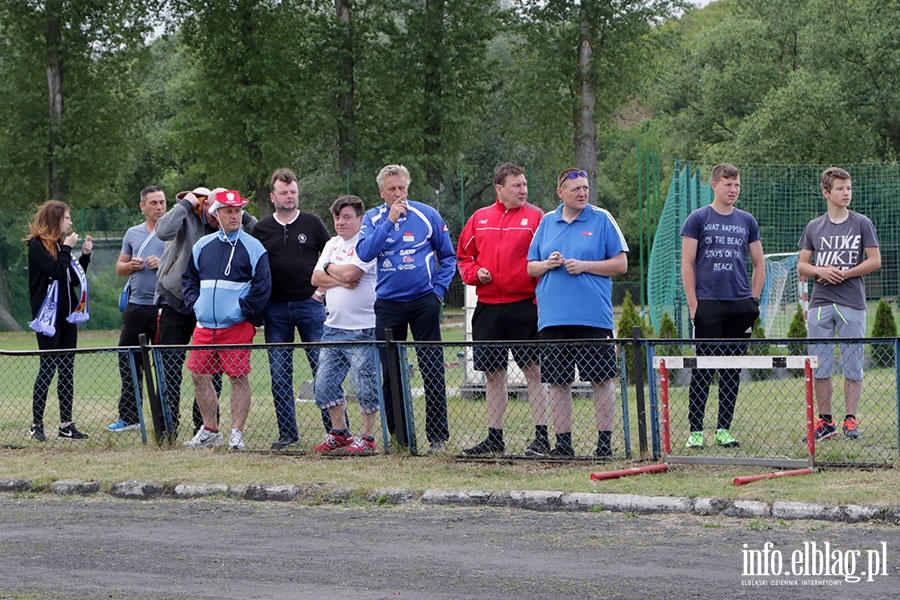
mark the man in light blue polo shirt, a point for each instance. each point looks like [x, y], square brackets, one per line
[575, 251]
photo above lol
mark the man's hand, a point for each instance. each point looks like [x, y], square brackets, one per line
[398, 210]
[484, 276]
[136, 263]
[555, 260]
[574, 266]
[830, 274]
[152, 262]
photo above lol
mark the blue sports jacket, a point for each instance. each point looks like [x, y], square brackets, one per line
[227, 281]
[415, 255]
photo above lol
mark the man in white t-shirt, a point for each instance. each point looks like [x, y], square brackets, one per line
[350, 301]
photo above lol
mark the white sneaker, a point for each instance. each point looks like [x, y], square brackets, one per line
[206, 439]
[236, 442]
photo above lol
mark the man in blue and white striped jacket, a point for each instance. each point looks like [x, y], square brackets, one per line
[227, 284]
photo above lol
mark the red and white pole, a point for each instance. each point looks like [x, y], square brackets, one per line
[664, 401]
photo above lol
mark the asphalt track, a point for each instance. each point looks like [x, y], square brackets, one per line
[101, 547]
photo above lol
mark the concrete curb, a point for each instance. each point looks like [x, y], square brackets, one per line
[529, 500]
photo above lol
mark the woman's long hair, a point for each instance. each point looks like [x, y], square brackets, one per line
[46, 225]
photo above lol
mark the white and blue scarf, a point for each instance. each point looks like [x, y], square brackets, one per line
[45, 322]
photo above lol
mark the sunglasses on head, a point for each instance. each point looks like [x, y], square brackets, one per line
[572, 175]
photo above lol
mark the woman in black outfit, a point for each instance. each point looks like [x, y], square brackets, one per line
[50, 259]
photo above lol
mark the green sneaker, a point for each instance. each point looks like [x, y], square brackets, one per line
[725, 439]
[695, 440]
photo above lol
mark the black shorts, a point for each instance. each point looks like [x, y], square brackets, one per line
[513, 321]
[595, 362]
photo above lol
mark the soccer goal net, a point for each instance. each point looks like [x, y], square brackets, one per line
[782, 291]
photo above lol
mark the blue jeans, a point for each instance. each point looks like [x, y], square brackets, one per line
[335, 361]
[282, 318]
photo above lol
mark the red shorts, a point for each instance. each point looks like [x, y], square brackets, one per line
[233, 363]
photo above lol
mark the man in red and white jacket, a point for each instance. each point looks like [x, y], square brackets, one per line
[492, 256]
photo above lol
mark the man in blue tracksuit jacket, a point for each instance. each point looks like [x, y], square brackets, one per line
[416, 261]
[227, 284]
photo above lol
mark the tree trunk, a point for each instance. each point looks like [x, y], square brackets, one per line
[432, 110]
[54, 69]
[585, 119]
[7, 322]
[262, 199]
[346, 99]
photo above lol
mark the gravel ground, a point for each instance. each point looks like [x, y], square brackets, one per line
[102, 547]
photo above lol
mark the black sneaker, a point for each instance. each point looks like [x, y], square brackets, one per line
[538, 447]
[285, 442]
[562, 451]
[603, 451]
[825, 429]
[36, 432]
[486, 447]
[850, 429]
[70, 432]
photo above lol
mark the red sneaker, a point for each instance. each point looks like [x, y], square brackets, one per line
[334, 442]
[361, 445]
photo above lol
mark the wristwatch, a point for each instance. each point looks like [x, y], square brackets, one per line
[319, 295]
[325, 268]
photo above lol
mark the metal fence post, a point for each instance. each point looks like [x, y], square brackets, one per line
[638, 370]
[399, 412]
[160, 433]
[897, 384]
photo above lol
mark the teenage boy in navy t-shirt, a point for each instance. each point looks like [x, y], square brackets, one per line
[715, 242]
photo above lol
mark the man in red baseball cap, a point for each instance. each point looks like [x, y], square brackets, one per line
[181, 228]
[229, 302]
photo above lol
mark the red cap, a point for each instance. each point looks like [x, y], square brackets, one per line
[227, 198]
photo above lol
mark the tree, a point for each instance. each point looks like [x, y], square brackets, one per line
[69, 107]
[255, 98]
[586, 59]
[628, 320]
[68, 96]
[811, 81]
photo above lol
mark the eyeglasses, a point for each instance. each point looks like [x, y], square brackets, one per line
[572, 175]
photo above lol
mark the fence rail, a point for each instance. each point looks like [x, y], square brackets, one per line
[769, 413]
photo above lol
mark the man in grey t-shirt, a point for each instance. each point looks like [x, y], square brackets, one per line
[836, 250]
[139, 261]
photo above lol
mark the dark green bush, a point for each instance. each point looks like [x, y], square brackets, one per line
[884, 326]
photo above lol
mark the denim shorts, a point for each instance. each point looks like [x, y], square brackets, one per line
[335, 361]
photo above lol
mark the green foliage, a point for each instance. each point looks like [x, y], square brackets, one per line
[98, 46]
[627, 321]
[884, 326]
[758, 333]
[767, 79]
[797, 329]
[667, 330]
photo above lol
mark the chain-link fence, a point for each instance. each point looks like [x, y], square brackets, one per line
[489, 415]
[763, 411]
[445, 396]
